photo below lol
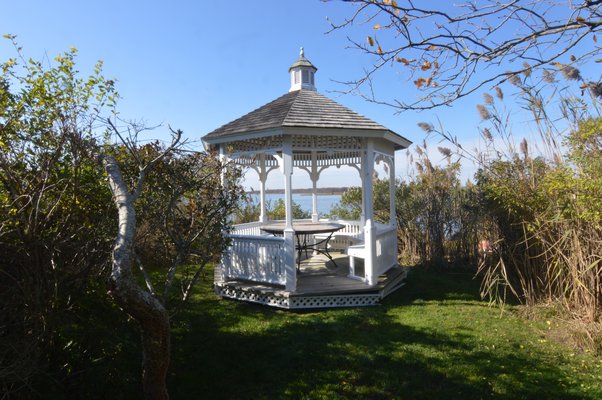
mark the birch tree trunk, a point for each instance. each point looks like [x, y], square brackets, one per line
[137, 302]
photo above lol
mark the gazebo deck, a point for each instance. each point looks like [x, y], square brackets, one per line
[320, 284]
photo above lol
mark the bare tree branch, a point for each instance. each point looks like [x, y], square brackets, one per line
[450, 51]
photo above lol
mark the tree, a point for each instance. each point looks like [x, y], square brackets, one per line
[57, 225]
[450, 51]
[185, 210]
[278, 211]
[54, 234]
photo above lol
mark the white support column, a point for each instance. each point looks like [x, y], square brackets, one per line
[287, 170]
[369, 227]
[222, 158]
[392, 194]
[314, 176]
[289, 233]
[219, 274]
[262, 179]
[362, 174]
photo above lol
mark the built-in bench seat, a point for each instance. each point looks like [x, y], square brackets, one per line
[350, 235]
[340, 241]
[356, 251]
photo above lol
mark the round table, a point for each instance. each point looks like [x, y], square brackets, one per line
[302, 231]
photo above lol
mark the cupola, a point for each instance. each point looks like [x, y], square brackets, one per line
[302, 74]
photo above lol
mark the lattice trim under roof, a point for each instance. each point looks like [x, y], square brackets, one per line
[323, 159]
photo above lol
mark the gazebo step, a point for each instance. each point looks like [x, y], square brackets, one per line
[395, 279]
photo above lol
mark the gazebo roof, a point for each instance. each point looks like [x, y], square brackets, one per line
[300, 109]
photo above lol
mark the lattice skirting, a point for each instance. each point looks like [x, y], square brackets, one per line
[298, 302]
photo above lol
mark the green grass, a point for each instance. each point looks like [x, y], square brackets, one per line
[433, 339]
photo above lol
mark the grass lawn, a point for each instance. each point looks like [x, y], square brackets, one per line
[433, 339]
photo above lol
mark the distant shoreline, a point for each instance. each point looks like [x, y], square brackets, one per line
[323, 191]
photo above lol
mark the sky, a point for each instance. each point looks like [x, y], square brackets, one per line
[196, 65]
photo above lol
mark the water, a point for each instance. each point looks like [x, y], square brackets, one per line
[325, 201]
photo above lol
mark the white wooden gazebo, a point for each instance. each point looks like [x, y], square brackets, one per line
[311, 132]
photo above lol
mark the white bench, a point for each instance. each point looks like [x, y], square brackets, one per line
[351, 235]
[356, 251]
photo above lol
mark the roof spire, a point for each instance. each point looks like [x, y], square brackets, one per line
[302, 73]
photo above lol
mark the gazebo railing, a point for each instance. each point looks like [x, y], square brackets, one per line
[249, 228]
[255, 258]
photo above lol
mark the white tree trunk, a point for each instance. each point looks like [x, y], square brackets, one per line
[123, 288]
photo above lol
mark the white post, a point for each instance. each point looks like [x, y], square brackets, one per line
[314, 186]
[289, 233]
[392, 194]
[219, 274]
[362, 175]
[369, 227]
[262, 178]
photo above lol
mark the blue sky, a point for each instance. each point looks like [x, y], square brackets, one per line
[197, 65]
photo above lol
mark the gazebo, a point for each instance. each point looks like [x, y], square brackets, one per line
[311, 132]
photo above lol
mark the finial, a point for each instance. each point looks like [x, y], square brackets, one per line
[301, 53]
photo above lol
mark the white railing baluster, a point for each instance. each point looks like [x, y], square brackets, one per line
[255, 258]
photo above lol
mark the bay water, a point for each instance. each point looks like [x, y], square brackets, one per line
[325, 201]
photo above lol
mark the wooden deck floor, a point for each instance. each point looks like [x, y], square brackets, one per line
[319, 280]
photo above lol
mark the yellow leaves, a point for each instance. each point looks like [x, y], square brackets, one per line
[376, 27]
[432, 47]
[595, 39]
[379, 50]
[580, 19]
[404, 60]
[599, 60]
[425, 82]
[426, 65]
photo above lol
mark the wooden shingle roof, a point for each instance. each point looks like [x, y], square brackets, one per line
[301, 108]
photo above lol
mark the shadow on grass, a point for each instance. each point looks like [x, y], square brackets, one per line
[233, 350]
